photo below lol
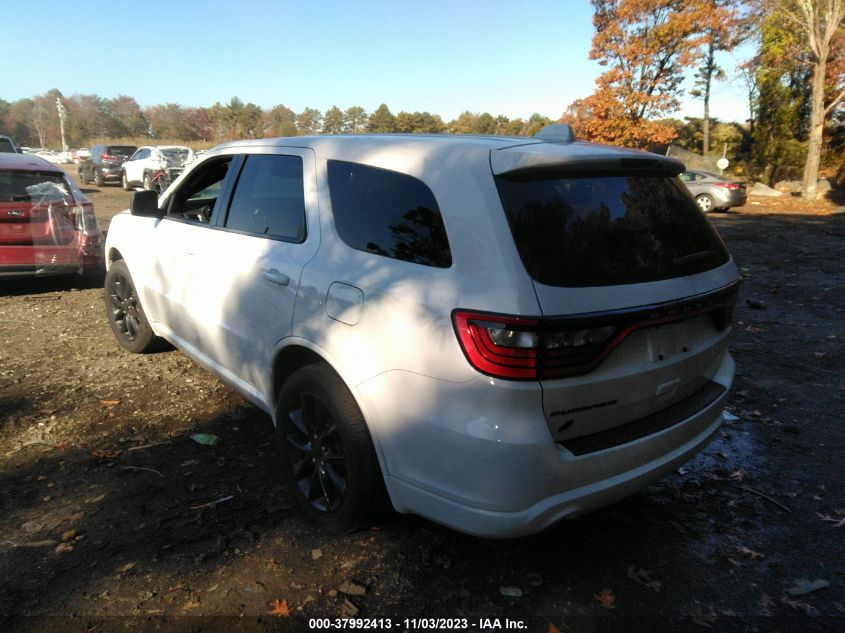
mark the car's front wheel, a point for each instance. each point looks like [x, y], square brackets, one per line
[329, 463]
[705, 202]
[124, 312]
[124, 181]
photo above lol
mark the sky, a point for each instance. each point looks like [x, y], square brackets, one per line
[503, 57]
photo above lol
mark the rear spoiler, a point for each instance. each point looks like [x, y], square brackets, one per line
[557, 156]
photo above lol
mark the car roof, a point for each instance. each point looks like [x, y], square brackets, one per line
[512, 153]
[27, 162]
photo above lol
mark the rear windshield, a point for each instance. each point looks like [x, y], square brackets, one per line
[33, 186]
[124, 151]
[176, 157]
[606, 230]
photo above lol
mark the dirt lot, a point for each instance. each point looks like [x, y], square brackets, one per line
[113, 518]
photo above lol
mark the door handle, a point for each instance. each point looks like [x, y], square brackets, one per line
[274, 276]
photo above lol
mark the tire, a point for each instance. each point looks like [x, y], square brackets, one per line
[123, 182]
[705, 202]
[328, 459]
[148, 183]
[124, 312]
[98, 179]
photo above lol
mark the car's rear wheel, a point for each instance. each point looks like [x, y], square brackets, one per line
[705, 202]
[124, 182]
[124, 312]
[98, 179]
[329, 462]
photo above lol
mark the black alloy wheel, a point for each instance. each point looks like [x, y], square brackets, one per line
[125, 314]
[318, 457]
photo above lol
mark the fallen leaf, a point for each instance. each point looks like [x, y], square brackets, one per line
[348, 609]
[106, 454]
[738, 475]
[125, 568]
[64, 548]
[643, 576]
[750, 553]
[110, 403]
[69, 535]
[280, 609]
[316, 554]
[352, 589]
[191, 604]
[606, 598]
[553, 629]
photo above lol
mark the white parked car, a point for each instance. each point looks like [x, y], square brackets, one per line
[493, 333]
[143, 165]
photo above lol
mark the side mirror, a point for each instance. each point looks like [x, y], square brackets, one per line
[145, 204]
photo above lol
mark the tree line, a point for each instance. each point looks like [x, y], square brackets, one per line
[794, 81]
[34, 121]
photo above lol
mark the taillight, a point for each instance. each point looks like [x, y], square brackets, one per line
[529, 349]
[84, 219]
[543, 348]
[732, 186]
[108, 157]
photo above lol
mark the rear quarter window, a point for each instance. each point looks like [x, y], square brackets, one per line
[388, 213]
[608, 229]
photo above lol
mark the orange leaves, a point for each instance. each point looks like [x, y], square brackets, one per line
[106, 455]
[280, 609]
[110, 403]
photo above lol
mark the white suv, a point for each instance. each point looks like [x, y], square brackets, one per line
[493, 333]
[139, 170]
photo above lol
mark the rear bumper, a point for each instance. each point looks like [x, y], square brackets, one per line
[38, 261]
[485, 463]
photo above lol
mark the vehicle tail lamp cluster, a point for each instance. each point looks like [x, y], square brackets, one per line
[731, 186]
[105, 156]
[525, 348]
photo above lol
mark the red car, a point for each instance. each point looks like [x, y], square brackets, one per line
[47, 225]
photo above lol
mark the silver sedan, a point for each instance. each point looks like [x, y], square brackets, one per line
[714, 193]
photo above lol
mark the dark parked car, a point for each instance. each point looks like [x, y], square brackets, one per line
[104, 163]
[713, 192]
[7, 145]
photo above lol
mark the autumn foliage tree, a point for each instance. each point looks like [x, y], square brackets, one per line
[646, 45]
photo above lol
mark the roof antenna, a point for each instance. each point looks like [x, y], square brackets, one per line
[556, 133]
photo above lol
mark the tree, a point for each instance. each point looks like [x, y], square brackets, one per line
[308, 121]
[127, 116]
[818, 21]
[355, 120]
[724, 28]
[382, 120]
[280, 121]
[333, 121]
[646, 46]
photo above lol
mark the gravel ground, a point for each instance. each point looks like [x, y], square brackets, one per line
[113, 518]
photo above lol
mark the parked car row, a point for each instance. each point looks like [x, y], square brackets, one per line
[493, 333]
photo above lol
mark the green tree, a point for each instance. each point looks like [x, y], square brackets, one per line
[280, 121]
[382, 121]
[308, 121]
[355, 120]
[333, 121]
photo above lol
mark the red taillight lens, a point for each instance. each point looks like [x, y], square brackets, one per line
[108, 157]
[529, 349]
[732, 186]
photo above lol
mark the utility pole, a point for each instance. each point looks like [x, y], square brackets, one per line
[62, 116]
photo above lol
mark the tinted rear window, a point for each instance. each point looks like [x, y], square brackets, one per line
[6, 145]
[124, 151]
[387, 213]
[608, 230]
[33, 186]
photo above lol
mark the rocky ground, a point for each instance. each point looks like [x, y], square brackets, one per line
[114, 517]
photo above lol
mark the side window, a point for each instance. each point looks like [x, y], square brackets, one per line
[387, 213]
[687, 176]
[269, 198]
[196, 197]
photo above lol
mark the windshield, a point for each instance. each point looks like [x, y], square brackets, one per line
[124, 151]
[604, 230]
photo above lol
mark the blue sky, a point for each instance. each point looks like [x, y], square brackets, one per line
[511, 58]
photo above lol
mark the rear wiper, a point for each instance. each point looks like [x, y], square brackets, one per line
[21, 197]
[692, 257]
